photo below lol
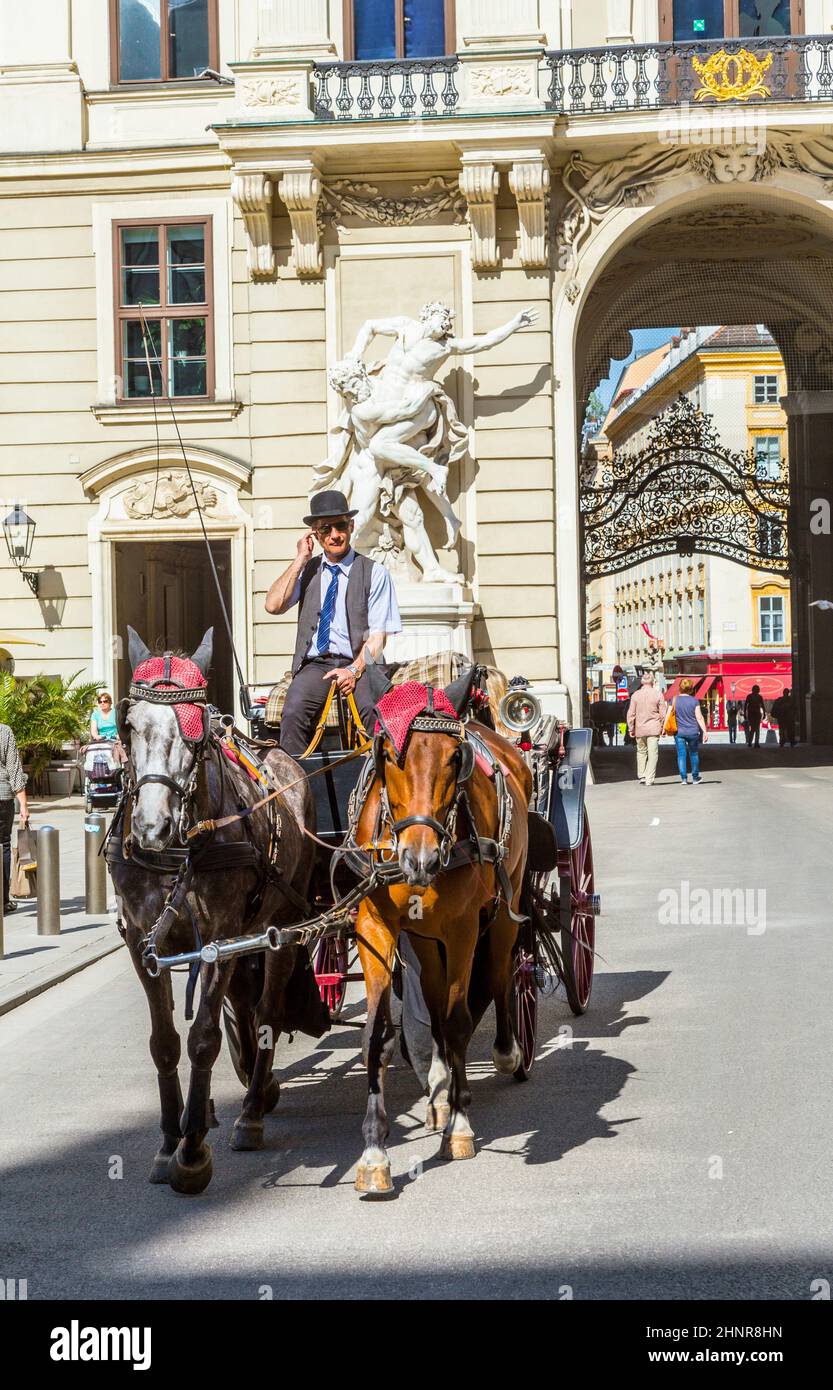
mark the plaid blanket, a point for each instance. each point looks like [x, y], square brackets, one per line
[439, 669]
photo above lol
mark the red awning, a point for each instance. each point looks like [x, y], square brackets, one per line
[772, 685]
[673, 689]
[704, 689]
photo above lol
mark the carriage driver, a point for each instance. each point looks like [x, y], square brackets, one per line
[347, 607]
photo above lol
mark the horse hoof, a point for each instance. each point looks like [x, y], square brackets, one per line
[436, 1117]
[190, 1178]
[160, 1168]
[374, 1178]
[507, 1063]
[271, 1096]
[247, 1134]
[457, 1146]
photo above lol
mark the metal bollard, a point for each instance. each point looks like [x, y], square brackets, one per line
[49, 882]
[95, 867]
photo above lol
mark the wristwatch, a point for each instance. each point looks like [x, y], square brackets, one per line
[352, 667]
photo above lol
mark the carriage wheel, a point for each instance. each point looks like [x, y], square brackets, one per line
[578, 943]
[331, 973]
[525, 998]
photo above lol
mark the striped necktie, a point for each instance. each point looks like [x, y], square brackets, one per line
[327, 611]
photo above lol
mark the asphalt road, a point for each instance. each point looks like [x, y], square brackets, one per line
[676, 1143]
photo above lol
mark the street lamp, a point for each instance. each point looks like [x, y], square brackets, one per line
[19, 531]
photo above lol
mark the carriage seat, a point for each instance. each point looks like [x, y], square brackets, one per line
[542, 855]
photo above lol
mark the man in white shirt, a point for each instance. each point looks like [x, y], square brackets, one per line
[347, 609]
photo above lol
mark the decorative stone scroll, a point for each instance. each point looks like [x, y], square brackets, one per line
[597, 189]
[343, 198]
[300, 190]
[253, 195]
[529, 180]
[479, 182]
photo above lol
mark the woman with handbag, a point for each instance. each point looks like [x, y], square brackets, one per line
[689, 730]
[12, 784]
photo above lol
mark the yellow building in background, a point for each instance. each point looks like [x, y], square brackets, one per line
[719, 620]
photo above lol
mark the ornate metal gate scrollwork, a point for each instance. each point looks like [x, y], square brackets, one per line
[683, 492]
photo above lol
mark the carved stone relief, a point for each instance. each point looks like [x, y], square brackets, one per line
[170, 495]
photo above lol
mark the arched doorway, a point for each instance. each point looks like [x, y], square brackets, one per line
[717, 254]
[148, 563]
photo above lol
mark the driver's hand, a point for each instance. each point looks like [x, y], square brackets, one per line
[344, 679]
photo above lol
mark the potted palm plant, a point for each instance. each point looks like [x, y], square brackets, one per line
[46, 714]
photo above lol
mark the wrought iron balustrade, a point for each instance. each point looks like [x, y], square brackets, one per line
[399, 89]
[716, 73]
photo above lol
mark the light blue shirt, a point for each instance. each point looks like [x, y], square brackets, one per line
[382, 608]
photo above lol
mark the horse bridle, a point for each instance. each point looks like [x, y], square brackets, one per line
[151, 693]
[446, 833]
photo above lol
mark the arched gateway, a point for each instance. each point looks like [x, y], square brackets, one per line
[682, 234]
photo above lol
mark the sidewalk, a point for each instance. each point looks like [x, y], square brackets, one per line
[34, 963]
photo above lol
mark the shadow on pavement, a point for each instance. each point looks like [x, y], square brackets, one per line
[619, 764]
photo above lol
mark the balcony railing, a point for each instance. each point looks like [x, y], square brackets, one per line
[587, 81]
[739, 72]
[405, 89]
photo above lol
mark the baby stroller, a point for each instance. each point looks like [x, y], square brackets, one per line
[102, 775]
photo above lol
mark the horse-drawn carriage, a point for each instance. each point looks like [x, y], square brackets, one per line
[556, 942]
[235, 851]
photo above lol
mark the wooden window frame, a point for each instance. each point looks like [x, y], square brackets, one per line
[116, 80]
[350, 31]
[125, 313]
[731, 21]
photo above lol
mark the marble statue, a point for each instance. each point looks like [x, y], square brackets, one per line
[399, 435]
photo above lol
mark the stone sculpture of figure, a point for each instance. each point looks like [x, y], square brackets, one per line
[400, 433]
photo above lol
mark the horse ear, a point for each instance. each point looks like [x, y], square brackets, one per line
[377, 681]
[202, 656]
[459, 691]
[136, 649]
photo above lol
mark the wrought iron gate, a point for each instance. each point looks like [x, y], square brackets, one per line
[683, 492]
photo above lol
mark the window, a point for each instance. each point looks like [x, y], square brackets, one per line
[162, 40]
[377, 29]
[165, 268]
[766, 390]
[718, 19]
[771, 618]
[768, 457]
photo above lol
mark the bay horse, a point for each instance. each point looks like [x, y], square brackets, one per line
[223, 882]
[450, 803]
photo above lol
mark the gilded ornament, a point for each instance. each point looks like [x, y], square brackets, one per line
[732, 76]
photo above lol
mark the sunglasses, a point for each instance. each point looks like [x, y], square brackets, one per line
[105, 702]
[326, 527]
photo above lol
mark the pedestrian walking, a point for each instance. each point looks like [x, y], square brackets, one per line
[646, 716]
[732, 720]
[784, 712]
[754, 711]
[691, 732]
[12, 784]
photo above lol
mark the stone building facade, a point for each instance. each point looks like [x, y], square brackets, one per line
[305, 166]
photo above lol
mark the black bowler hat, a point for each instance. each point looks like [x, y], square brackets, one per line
[327, 504]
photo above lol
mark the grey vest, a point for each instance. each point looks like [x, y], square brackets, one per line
[309, 606]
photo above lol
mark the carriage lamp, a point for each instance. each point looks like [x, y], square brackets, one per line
[519, 710]
[19, 531]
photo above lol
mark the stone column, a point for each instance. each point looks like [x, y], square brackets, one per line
[286, 27]
[41, 97]
[811, 469]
